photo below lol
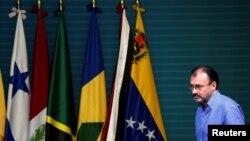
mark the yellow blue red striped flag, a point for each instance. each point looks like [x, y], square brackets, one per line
[143, 119]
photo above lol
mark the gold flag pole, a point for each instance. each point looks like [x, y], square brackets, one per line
[122, 3]
[137, 3]
[93, 3]
[137, 7]
[18, 4]
[39, 4]
[61, 5]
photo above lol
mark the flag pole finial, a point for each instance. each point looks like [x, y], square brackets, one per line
[93, 3]
[18, 4]
[137, 2]
[39, 3]
[122, 3]
[61, 5]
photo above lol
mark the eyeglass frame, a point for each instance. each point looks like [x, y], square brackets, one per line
[199, 87]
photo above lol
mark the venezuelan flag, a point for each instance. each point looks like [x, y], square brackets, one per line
[143, 120]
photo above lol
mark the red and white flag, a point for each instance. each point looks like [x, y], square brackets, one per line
[40, 81]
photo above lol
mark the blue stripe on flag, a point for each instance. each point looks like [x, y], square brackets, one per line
[139, 124]
[93, 61]
[8, 133]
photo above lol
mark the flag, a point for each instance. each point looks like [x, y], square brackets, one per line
[2, 109]
[61, 122]
[40, 81]
[93, 103]
[143, 119]
[18, 102]
[118, 99]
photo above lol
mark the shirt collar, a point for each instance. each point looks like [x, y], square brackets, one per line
[212, 101]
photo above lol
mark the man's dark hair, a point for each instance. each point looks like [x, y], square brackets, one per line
[212, 74]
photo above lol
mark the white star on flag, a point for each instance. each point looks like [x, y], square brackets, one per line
[141, 126]
[130, 122]
[150, 134]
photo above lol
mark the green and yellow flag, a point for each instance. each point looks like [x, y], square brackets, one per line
[60, 119]
[92, 109]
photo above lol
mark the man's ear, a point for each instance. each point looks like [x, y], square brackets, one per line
[214, 84]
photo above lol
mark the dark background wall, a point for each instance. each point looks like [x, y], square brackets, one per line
[181, 34]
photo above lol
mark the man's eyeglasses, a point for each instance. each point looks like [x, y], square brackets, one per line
[198, 86]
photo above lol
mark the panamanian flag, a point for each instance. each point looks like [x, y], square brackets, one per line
[19, 86]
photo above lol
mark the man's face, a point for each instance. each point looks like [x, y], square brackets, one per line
[201, 87]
